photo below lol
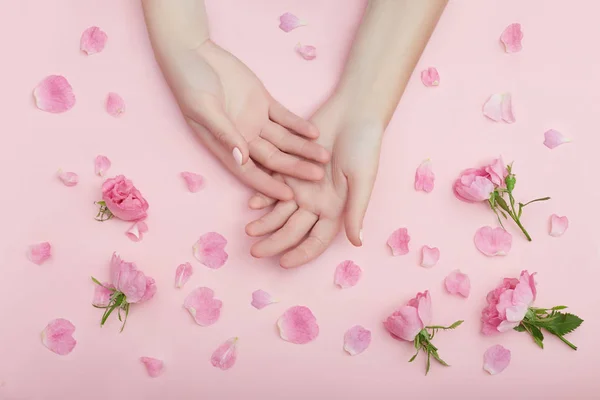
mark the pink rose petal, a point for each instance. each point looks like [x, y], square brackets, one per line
[511, 38]
[154, 367]
[424, 177]
[225, 355]
[193, 181]
[54, 94]
[102, 294]
[101, 165]
[493, 241]
[261, 299]
[398, 242]
[298, 325]
[429, 256]
[289, 22]
[201, 303]
[137, 230]
[38, 253]
[558, 225]
[210, 250]
[93, 40]
[356, 340]
[115, 105]
[430, 77]
[347, 274]
[182, 274]
[58, 336]
[496, 359]
[307, 52]
[68, 178]
[499, 108]
[458, 283]
[554, 139]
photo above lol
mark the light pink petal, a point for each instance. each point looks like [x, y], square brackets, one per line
[58, 336]
[68, 178]
[405, 323]
[307, 52]
[424, 177]
[458, 283]
[499, 108]
[210, 250]
[38, 253]
[150, 290]
[558, 225]
[225, 355]
[511, 38]
[493, 241]
[430, 77]
[429, 256]
[507, 109]
[115, 105]
[102, 294]
[193, 181]
[398, 242]
[554, 139]
[205, 309]
[54, 94]
[496, 359]
[101, 165]
[261, 299]
[137, 230]
[298, 325]
[93, 40]
[356, 340]
[182, 274]
[154, 367]
[347, 274]
[289, 22]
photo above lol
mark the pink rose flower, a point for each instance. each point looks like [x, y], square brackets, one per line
[127, 279]
[473, 185]
[406, 322]
[123, 199]
[497, 172]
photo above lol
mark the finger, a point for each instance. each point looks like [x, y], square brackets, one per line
[286, 141]
[273, 220]
[313, 246]
[288, 119]
[360, 187]
[260, 201]
[272, 158]
[296, 227]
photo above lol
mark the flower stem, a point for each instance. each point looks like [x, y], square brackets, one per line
[513, 215]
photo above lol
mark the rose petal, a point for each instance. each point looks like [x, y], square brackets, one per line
[58, 336]
[289, 22]
[430, 77]
[493, 242]
[154, 367]
[398, 242]
[261, 299]
[458, 283]
[424, 177]
[205, 309]
[193, 181]
[499, 108]
[356, 340]
[101, 165]
[182, 274]
[496, 359]
[554, 139]
[93, 40]
[68, 178]
[429, 256]
[347, 274]
[225, 355]
[150, 290]
[115, 105]
[38, 253]
[54, 94]
[102, 294]
[405, 323]
[298, 325]
[511, 38]
[137, 230]
[306, 51]
[558, 225]
[210, 250]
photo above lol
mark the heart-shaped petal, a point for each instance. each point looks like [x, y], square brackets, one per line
[261, 299]
[511, 38]
[347, 274]
[54, 94]
[154, 366]
[115, 105]
[210, 250]
[493, 241]
[225, 356]
[558, 225]
[553, 138]
[58, 336]
[298, 325]
[194, 182]
[306, 51]
[93, 40]
[40, 252]
[429, 256]
[458, 283]
[430, 77]
[496, 359]
[289, 22]
[499, 108]
[398, 242]
[202, 305]
[68, 178]
[182, 274]
[356, 340]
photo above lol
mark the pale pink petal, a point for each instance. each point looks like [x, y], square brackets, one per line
[58, 336]
[507, 109]
[496, 359]
[261, 299]
[554, 139]
[511, 38]
[102, 294]
[307, 52]
[154, 367]
[289, 22]
[429, 256]
[182, 274]
[54, 94]
[424, 177]
[193, 181]
[499, 108]
[493, 241]
[398, 242]
[405, 323]
[210, 250]
[458, 283]
[137, 230]
[93, 40]
[225, 355]
[38, 253]
[201, 303]
[115, 105]
[101, 165]
[298, 325]
[356, 340]
[347, 274]
[430, 77]
[150, 290]
[558, 225]
[68, 178]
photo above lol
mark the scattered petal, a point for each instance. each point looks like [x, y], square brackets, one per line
[68, 178]
[54, 94]
[102, 294]
[356, 340]
[398, 242]
[558, 225]
[493, 241]
[298, 325]
[554, 139]
[307, 52]
[154, 367]
[210, 250]
[182, 274]
[205, 309]
[38, 253]
[101, 165]
[347, 274]
[458, 283]
[424, 177]
[499, 108]
[289, 22]
[430, 77]
[261, 299]
[115, 105]
[193, 181]
[58, 336]
[137, 230]
[511, 38]
[429, 256]
[225, 355]
[93, 40]
[496, 359]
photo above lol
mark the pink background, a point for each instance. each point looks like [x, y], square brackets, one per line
[554, 85]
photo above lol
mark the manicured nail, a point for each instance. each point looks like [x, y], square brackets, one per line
[360, 236]
[237, 155]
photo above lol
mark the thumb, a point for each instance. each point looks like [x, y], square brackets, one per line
[360, 187]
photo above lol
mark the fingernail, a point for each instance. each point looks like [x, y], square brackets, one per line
[237, 155]
[360, 236]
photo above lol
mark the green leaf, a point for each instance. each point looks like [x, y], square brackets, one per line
[561, 324]
[519, 328]
[453, 326]
[125, 319]
[520, 210]
[533, 201]
[417, 341]
[428, 363]
[502, 203]
[558, 308]
[537, 335]
[413, 357]
[437, 357]
[101, 203]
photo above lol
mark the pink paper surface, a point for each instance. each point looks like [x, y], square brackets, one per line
[151, 144]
